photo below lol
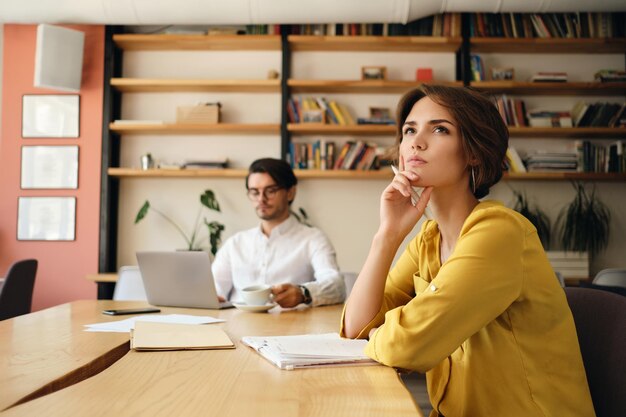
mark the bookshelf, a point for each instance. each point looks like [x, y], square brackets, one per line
[288, 47]
[507, 46]
[307, 43]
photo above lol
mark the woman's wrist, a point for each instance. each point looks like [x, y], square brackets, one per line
[388, 238]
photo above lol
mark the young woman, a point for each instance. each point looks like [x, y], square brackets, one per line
[472, 301]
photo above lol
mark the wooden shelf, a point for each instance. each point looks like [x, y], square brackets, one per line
[567, 132]
[300, 43]
[219, 128]
[341, 174]
[383, 174]
[319, 129]
[527, 132]
[561, 89]
[549, 45]
[176, 173]
[567, 176]
[241, 173]
[358, 86]
[171, 42]
[146, 85]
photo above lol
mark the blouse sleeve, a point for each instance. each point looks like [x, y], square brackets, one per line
[399, 289]
[478, 282]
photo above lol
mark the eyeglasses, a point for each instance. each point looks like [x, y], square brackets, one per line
[268, 192]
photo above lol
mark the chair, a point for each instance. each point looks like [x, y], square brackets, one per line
[612, 277]
[559, 277]
[16, 295]
[600, 318]
[129, 285]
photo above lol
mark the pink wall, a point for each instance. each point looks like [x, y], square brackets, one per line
[62, 265]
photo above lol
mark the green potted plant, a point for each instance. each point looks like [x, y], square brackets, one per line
[583, 225]
[214, 228]
[535, 215]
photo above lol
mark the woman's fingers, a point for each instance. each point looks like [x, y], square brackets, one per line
[402, 183]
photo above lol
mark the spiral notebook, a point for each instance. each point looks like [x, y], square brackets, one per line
[309, 350]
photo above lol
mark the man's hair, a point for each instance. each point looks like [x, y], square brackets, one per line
[279, 170]
[484, 135]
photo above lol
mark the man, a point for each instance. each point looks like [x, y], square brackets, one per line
[298, 261]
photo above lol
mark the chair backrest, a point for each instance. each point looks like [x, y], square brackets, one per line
[559, 277]
[600, 318]
[129, 285]
[613, 277]
[349, 278]
[16, 296]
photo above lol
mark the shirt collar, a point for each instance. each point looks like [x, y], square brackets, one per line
[281, 229]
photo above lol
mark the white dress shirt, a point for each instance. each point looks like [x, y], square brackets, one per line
[293, 253]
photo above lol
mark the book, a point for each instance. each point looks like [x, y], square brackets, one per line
[216, 164]
[549, 77]
[152, 336]
[515, 161]
[307, 351]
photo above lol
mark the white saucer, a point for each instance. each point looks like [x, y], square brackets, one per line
[256, 309]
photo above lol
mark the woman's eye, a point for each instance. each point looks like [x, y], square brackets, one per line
[440, 129]
[408, 131]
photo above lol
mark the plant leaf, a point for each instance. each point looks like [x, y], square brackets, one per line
[143, 211]
[208, 200]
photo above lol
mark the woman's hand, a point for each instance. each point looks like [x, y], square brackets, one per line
[398, 216]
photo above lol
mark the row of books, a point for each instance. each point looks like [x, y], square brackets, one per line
[610, 76]
[477, 68]
[309, 110]
[509, 25]
[583, 114]
[599, 114]
[587, 157]
[512, 110]
[548, 25]
[593, 157]
[324, 155]
[447, 24]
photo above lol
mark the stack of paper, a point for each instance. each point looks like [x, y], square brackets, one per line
[124, 326]
[168, 336]
[290, 352]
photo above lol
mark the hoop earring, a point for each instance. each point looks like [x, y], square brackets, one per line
[473, 182]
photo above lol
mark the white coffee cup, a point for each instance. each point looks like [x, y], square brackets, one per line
[257, 295]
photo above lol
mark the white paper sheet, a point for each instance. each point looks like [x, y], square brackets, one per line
[124, 326]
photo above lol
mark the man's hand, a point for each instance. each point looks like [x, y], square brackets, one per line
[287, 295]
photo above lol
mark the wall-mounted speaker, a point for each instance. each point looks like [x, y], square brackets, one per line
[59, 58]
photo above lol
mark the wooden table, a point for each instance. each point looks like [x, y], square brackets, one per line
[48, 350]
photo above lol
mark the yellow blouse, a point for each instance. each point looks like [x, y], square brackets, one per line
[491, 327]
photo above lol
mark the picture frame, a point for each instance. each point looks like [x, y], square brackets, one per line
[50, 115]
[380, 113]
[373, 73]
[49, 167]
[46, 218]
[502, 73]
[314, 116]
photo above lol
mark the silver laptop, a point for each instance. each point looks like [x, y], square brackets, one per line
[179, 279]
